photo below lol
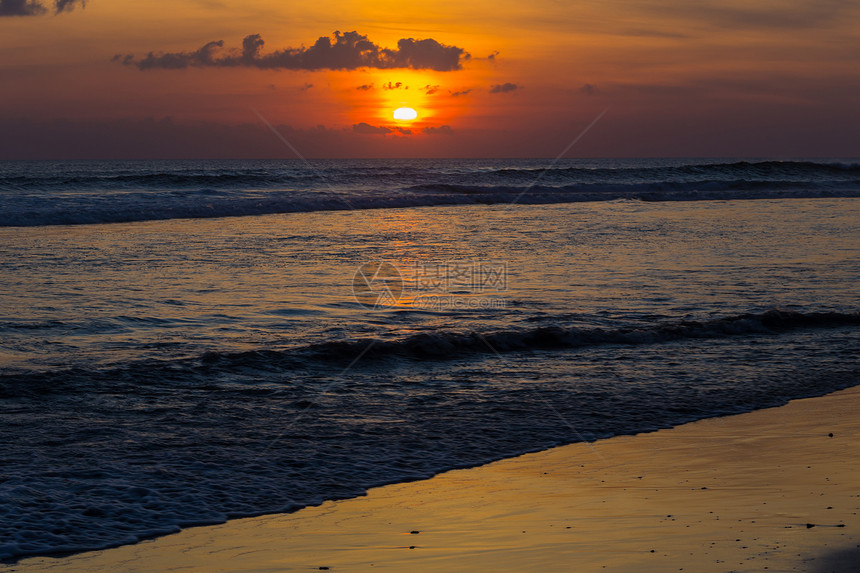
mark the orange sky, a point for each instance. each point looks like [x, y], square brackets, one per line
[753, 78]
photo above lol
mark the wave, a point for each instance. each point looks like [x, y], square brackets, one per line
[210, 203]
[448, 344]
[672, 190]
[80, 194]
[737, 169]
[154, 181]
[237, 178]
[434, 346]
[145, 450]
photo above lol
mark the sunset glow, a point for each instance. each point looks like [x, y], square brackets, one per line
[267, 256]
[680, 79]
[405, 114]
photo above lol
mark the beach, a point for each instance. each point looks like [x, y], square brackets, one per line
[773, 490]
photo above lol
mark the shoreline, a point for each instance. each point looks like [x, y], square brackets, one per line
[765, 489]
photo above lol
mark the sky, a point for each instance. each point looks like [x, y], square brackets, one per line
[108, 79]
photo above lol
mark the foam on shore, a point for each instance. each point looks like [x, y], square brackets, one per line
[772, 489]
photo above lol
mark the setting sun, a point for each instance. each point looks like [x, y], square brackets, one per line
[405, 114]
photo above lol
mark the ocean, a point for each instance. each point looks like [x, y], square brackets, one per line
[186, 342]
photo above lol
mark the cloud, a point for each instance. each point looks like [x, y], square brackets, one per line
[205, 56]
[504, 88]
[123, 58]
[364, 87]
[342, 51]
[20, 8]
[68, 4]
[394, 86]
[442, 129]
[34, 7]
[430, 90]
[366, 128]
[459, 93]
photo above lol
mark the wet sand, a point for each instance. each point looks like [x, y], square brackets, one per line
[774, 490]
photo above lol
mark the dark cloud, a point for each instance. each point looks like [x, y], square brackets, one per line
[122, 58]
[251, 46]
[366, 128]
[426, 55]
[493, 55]
[504, 88]
[205, 56]
[442, 129]
[459, 93]
[394, 86]
[364, 87]
[20, 8]
[430, 90]
[34, 7]
[68, 4]
[343, 51]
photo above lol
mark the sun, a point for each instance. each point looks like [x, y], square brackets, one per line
[405, 114]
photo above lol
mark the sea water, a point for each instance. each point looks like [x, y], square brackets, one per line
[187, 342]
